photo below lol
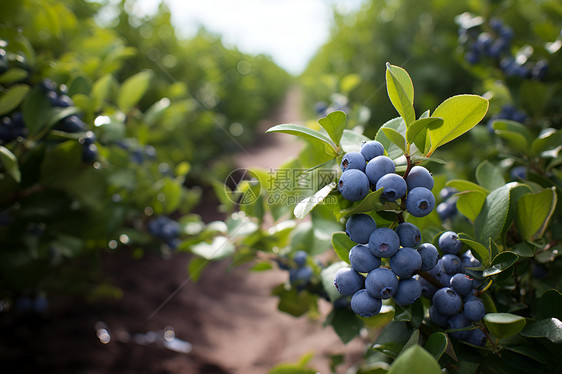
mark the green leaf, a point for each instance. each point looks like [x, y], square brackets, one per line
[371, 202]
[307, 134]
[13, 75]
[306, 205]
[534, 211]
[550, 328]
[61, 161]
[395, 137]
[392, 150]
[550, 304]
[469, 203]
[196, 266]
[415, 360]
[401, 92]
[489, 176]
[419, 125]
[460, 114]
[133, 89]
[342, 245]
[327, 275]
[503, 325]
[464, 185]
[104, 89]
[436, 344]
[345, 323]
[36, 109]
[334, 124]
[291, 369]
[81, 84]
[10, 163]
[57, 114]
[220, 247]
[156, 111]
[500, 263]
[490, 222]
[480, 252]
[507, 126]
[414, 339]
[549, 139]
[351, 141]
[391, 349]
[13, 98]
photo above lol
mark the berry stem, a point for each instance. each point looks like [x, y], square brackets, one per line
[430, 278]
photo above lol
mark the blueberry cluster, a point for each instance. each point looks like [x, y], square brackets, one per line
[167, 229]
[447, 208]
[371, 169]
[12, 127]
[455, 305]
[494, 40]
[508, 112]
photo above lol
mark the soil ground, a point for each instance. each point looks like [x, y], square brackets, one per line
[229, 316]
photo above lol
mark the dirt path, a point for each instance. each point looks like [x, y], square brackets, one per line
[229, 316]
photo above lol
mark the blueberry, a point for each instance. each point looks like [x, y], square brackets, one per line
[428, 289]
[63, 101]
[393, 185]
[300, 276]
[451, 264]
[461, 283]
[447, 209]
[384, 242]
[371, 149]
[458, 321]
[469, 261]
[320, 107]
[89, 153]
[379, 166]
[409, 290]
[348, 281]
[447, 192]
[484, 42]
[429, 256]
[539, 70]
[420, 202]
[476, 337]
[88, 138]
[449, 242]
[405, 262]
[364, 304]
[359, 227]
[71, 124]
[381, 283]
[474, 310]
[300, 258]
[419, 177]
[353, 185]
[518, 172]
[353, 160]
[409, 234]
[438, 318]
[447, 301]
[362, 260]
[539, 271]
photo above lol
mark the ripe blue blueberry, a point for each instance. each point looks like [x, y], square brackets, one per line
[447, 301]
[379, 166]
[364, 304]
[447, 209]
[409, 290]
[381, 283]
[362, 260]
[405, 262]
[89, 153]
[461, 283]
[474, 310]
[420, 202]
[300, 276]
[476, 337]
[409, 234]
[449, 242]
[469, 261]
[371, 149]
[419, 177]
[451, 264]
[429, 256]
[359, 227]
[348, 281]
[300, 258]
[353, 160]
[353, 185]
[428, 289]
[458, 321]
[438, 318]
[384, 242]
[393, 185]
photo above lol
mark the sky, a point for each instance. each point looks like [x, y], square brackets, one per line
[290, 31]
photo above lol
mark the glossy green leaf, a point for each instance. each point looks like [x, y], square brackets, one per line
[550, 328]
[414, 339]
[36, 110]
[291, 369]
[478, 250]
[61, 161]
[342, 244]
[334, 124]
[57, 114]
[345, 323]
[305, 206]
[500, 263]
[489, 176]
[104, 89]
[81, 84]
[503, 325]
[464, 185]
[395, 137]
[133, 89]
[401, 92]
[415, 360]
[534, 211]
[548, 140]
[550, 304]
[436, 344]
[156, 111]
[327, 275]
[419, 125]
[391, 349]
[10, 163]
[13, 98]
[220, 247]
[351, 141]
[392, 150]
[469, 203]
[371, 202]
[460, 114]
[307, 134]
[13, 75]
[196, 266]
[492, 218]
[501, 126]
